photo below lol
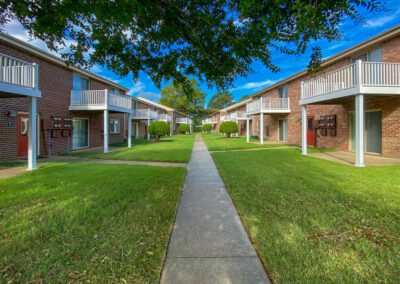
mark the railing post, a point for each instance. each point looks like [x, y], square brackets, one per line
[35, 76]
[359, 72]
[1, 69]
[302, 90]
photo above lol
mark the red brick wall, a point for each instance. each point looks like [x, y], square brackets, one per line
[55, 83]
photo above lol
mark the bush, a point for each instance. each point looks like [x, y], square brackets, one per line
[206, 128]
[228, 128]
[198, 129]
[158, 129]
[184, 128]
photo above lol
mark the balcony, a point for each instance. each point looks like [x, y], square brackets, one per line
[100, 100]
[164, 117]
[268, 105]
[18, 77]
[145, 114]
[210, 120]
[183, 120]
[235, 116]
[378, 78]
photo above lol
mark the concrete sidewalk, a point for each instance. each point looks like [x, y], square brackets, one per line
[209, 243]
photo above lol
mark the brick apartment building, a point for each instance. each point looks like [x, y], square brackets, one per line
[71, 103]
[146, 111]
[368, 73]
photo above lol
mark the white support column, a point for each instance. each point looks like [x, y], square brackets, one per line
[106, 131]
[170, 128]
[247, 129]
[148, 125]
[304, 129]
[261, 120]
[32, 135]
[359, 115]
[261, 128]
[129, 130]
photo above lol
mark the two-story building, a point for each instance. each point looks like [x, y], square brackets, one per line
[236, 113]
[146, 111]
[48, 108]
[353, 104]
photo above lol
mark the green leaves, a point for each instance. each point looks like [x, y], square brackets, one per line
[219, 100]
[214, 40]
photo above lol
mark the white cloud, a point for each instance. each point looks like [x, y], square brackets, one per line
[137, 88]
[381, 21]
[150, 96]
[254, 85]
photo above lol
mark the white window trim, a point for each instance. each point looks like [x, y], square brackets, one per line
[112, 130]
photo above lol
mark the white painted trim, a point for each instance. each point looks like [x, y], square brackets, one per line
[304, 130]
[32, 135]
[105, 131]
[19, 91]
[359, 116]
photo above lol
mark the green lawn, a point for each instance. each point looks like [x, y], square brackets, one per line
[217, 142]
[81, 223]
[169, 149]
[316, 221]
[12, 164]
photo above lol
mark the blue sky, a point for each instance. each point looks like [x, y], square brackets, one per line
[261, 77]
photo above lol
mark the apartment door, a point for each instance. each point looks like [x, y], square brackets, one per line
[372, 132]
[310, 131]
[80, 136]
[283, 130]
[22, 135]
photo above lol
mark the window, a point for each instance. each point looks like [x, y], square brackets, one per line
[79, 83]
[114, 126]
[283, 92]
[115, 91]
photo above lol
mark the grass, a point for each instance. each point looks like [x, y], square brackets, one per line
[169, 149]
[12, 164]
[316, 221]
[217, 142]
[81, 222]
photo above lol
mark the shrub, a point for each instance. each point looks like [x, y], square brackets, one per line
[206, 128]
[184, 128]
[228, 128]
[198, 129]
[158, 129]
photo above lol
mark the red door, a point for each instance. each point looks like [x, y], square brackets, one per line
[310, 131]
[22, 135]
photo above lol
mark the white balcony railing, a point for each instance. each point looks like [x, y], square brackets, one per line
[183, 120]
[210, 120]
[99, 99]
[16, 73]
[140, 113]
[269, 105]
[359, 77]
[164, 117]
[240, 115]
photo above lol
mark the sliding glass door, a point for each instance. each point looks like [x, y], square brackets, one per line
[80, 137]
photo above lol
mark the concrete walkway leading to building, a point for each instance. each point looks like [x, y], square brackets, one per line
[209, 243]
[349, 158]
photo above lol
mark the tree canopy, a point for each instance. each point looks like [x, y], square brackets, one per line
[214, 40]
[220, 100]
[185, 97]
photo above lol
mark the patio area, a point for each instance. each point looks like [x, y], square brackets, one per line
[349, 158]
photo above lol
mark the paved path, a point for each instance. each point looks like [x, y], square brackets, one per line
[209, 243]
